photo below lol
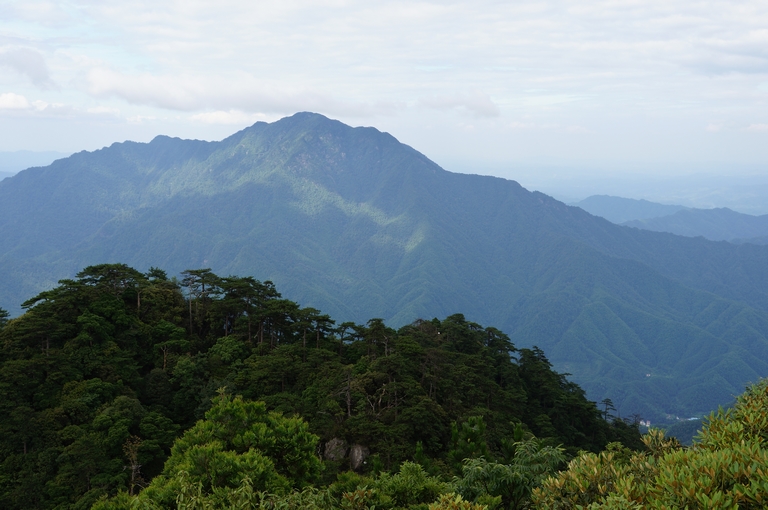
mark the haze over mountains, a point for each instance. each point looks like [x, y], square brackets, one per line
[744, 190]
[12, 162]
[352, 222]
[717, 224]
[619, 210]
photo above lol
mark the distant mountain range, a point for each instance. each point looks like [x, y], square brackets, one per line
[720, 224]
[619, 210]
[358, 225]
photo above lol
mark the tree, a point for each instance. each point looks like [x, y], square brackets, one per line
[607, 407]
[3, 318]
[169, 339]
[509, 485]
[468, 441]
[100, 374]
[239, 439]
[200, 285]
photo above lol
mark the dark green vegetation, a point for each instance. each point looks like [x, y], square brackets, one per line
[103, 373]
[684, 430]
[356, 224]
[727, 467]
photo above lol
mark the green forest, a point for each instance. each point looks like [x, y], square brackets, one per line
[121, 389]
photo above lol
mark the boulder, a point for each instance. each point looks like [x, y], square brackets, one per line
[357, 455]
[335, 449]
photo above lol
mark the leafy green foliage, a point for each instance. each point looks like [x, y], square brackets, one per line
[238, 450]
[509, 485]
[727, 467]
[454, 502]
[102, 373]
[245, 428]
[468, 440]
[410, 486]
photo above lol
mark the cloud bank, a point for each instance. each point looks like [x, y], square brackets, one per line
[559, 79]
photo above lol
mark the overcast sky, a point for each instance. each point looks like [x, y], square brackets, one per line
[657, 87]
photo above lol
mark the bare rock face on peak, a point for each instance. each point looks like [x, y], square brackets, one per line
[354, 223]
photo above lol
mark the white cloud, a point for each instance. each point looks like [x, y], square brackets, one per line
[28, 62]
[43, 13]
[475, 103]
[190, 93]
[11, 101]
[40, 105]
[18, 105]
[626, 71]
[140, 119]
[231, 117]
[175, 93]
[104, 110]
[757, 127]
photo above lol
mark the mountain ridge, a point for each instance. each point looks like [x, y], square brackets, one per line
[620, 210]
[716, 224]
[719, 224]
[352, 222]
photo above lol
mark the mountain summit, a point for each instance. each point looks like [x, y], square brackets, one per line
[354, 223]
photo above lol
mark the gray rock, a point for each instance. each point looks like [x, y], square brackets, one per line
[335, 449]
[357, 456]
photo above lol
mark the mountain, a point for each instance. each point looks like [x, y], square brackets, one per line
[751, 240]
[620, 210]
[720, 224]
[358, 225]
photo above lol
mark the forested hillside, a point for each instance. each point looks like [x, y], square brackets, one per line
[354, 223]
[104, 372]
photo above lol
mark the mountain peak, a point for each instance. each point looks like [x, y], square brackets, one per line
[354, 223]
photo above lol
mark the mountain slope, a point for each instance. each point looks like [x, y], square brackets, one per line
[352, 222]
[620, 210]
[720, 224]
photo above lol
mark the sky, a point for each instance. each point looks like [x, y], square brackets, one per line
[541, 91]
